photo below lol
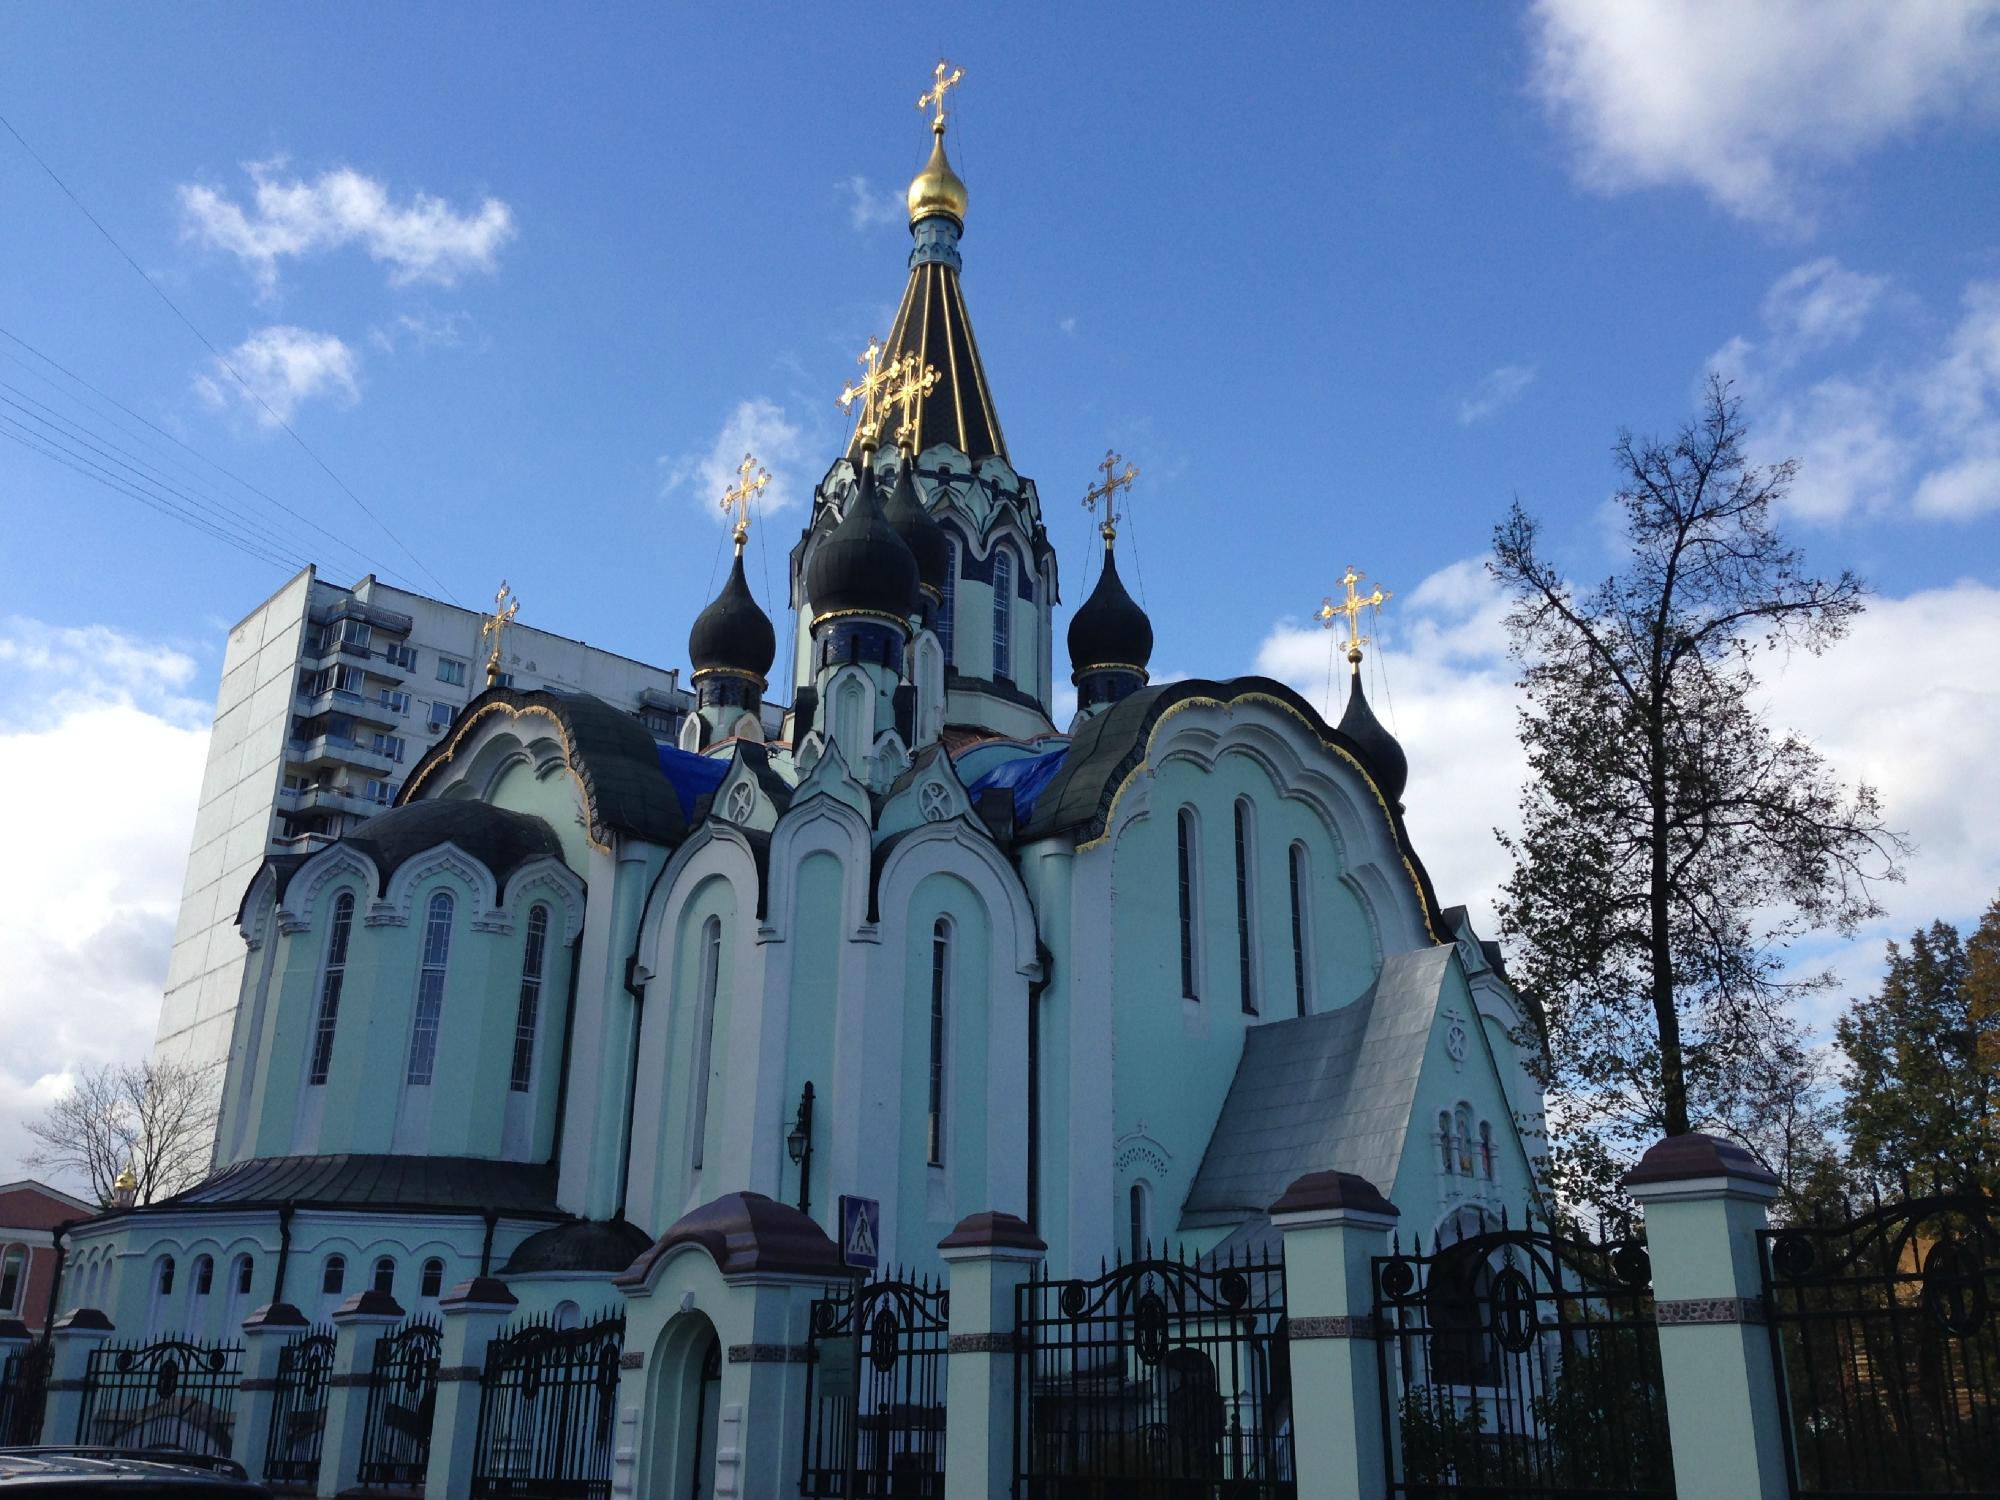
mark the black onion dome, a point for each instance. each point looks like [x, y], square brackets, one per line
[863, 565]
[733, 634]
[1378, 749]
[1109, 630]
[922, 535]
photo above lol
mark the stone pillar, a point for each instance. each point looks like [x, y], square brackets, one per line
[474, 1311]
[76, 1336]
[357, 1324]
[989, 1255]
[1335, 1224]
[1705, 1200]
[265, 1334]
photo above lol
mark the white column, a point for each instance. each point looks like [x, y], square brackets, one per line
[989, 1255]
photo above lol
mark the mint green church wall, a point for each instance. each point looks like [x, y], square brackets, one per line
[815, 993]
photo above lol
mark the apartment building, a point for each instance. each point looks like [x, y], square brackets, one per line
[328, 696]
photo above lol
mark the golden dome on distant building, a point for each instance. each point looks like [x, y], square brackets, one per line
[937, 189]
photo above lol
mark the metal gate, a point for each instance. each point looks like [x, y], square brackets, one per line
[547, 1403]
[169, 1394]
[1884, 1332]
[1162, 1378]
[24, 1391]
[402, 1396]
[875, 1391]
[1522, 1363]
[298, 1409]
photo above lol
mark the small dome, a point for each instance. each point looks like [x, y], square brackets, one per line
[1377, 748]
[862, 566]
[733, 634]
[922, 535]
[1110, 630]
[937, 189]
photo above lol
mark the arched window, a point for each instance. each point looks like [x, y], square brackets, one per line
[240, 1271]
[1446, 1158]
[164, 1282]
[160, 1315]
[330, 984]
[1301, 883]
[947, 615]
[1486, 1149]
[430, 988]
[431, 1283]
[204, 1276]
[1138, 1228]
[385, 1276]
[333, 1276]
[710, 976]
[1003, 613]
[567, 1315]
[13, 1278]
[1246, 943]
[1462, 1130]
[940, 985]
[531, 999]
[1190, 874]
[246, 1269]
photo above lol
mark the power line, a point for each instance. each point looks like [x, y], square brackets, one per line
[221, 360]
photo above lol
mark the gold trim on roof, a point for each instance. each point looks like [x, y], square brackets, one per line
[463, 727]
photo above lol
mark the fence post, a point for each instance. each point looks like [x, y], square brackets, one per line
[1705, 1199]
[265, 1334]
[357, 1324]
[474, 1311]
[15, 1342]
[989, 1256]
[76, 1337]
[1334, 1224]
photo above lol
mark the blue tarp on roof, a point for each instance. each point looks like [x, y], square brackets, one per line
[1025, 776]
[691, 776]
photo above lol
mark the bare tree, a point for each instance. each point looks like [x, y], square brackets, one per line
[158, 1118]
[1672, 841]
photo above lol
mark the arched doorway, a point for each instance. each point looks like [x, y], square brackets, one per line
[684, 1405]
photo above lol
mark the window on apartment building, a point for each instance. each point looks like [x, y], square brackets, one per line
[390, 745]
[441, 716]
[396, 700]
[451, 671]
[660, 722]
[381, 792]
[401, 656]
[504, 679]
[356, 632]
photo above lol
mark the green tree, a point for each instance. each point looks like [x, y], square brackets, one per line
[1672, 841]
[1922, 1090]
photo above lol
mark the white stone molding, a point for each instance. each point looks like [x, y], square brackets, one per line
[546, 876]
[714, 849]
[260, 902]
[302, 896]
[393, 910]
[955, 848]
[826, 821]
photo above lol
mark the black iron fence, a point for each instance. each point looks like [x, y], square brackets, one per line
[1161, 1378]
[1522, 1363]
[875, 1391]
[1884, 1332]
[298, 1409]
[169, 1394]
[548, 1400]
[402, 1396]
[24, 1391]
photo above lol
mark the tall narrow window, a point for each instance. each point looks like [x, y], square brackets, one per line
[431, 1282]
[430, 989]
[1189, 856]
[531, 999]
[13, 1272]
[1463, 1137]
[204, 1275]
[333, 1276]
[1246, 946]
[385, 1276]
[1135, 1228]
[1444, 1139]
[948, 606]
[329, 987]
[1300, 884]
[1486, 1149]
[704, 1024]
[1003, 612]
[940, 983]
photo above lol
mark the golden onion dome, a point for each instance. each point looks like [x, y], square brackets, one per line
[937, 189]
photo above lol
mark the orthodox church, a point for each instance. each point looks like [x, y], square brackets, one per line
[1124, 977]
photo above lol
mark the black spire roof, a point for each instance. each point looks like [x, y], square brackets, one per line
[1109, 630]
[733, 633]
[1377, 747]
[922, 535]
[862, 565]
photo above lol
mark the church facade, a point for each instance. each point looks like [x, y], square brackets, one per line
[1124, 977]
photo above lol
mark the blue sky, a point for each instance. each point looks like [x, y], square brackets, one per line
[1343, 282]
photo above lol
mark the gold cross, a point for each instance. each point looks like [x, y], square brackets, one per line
[936, 92]
[739, 498]
[505, 607]
[914, 380]
[869, 391]
[1352, 606]
[1108, 492]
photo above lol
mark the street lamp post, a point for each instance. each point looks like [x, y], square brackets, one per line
[799, 1145]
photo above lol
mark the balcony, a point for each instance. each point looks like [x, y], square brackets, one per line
[355, 705]
[354, 609]
[338, 798]
[333, 749]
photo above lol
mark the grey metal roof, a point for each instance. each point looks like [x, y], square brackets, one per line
[354, 1180]
[1331, 1092]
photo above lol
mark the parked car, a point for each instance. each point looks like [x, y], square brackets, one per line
[79, 1471]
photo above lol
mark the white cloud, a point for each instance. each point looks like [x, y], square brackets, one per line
[285, 367]
[102, 749]
[420, 240]
[421, 331]
[1751, 103]
[869, 207]
[758, 426]
[1068, 326]
[1907, 703]
[1500, 388]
